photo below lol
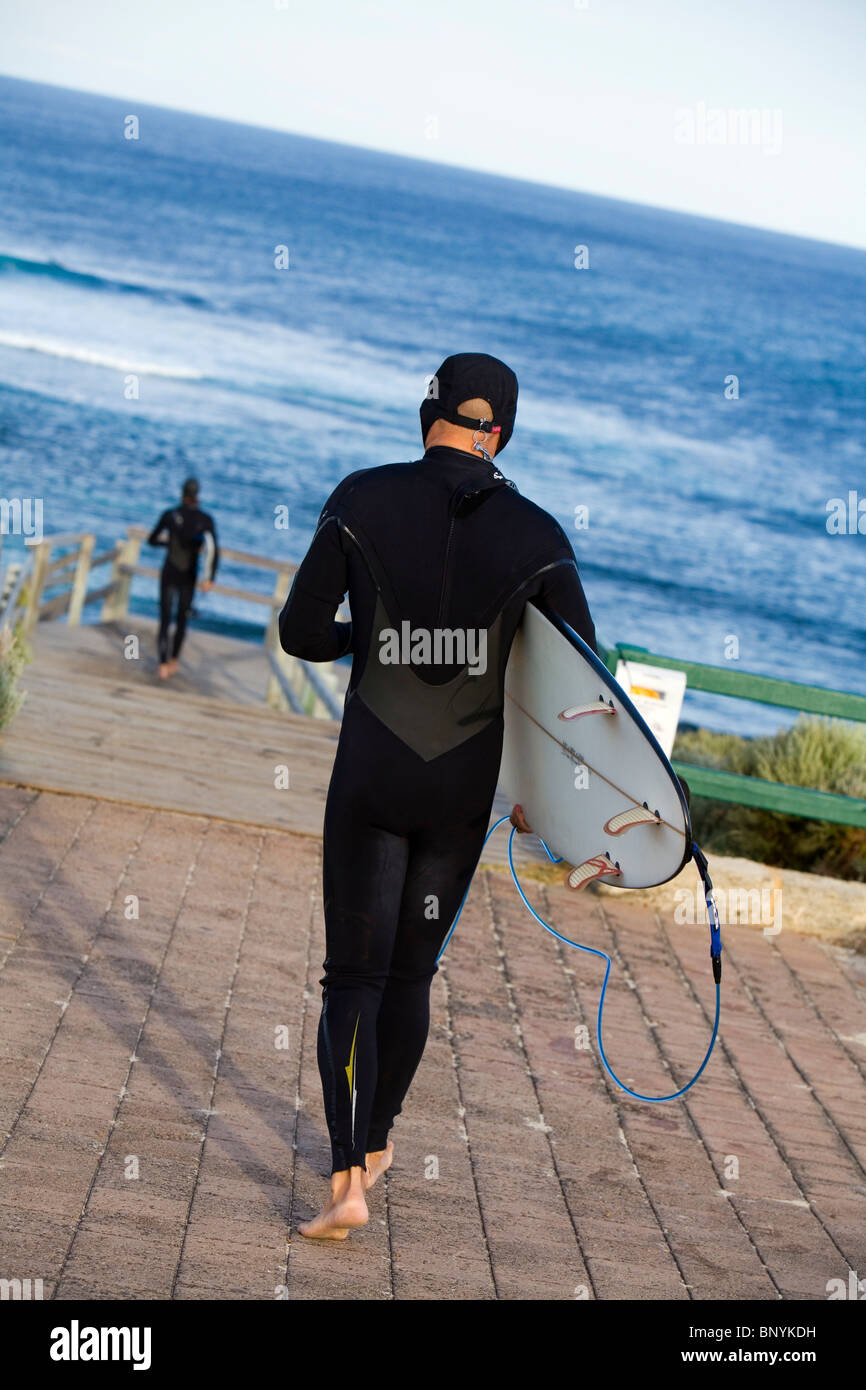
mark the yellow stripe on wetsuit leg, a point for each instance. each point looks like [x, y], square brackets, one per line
[350, 1075]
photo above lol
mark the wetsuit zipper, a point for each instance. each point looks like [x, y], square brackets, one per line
[445, 573]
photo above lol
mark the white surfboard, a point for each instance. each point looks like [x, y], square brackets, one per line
[588, 772]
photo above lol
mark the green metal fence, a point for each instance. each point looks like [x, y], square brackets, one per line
[745, 685]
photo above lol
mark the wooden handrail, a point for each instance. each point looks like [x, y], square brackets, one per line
[62, 538]
[94, 595]
[718, 785]
[105, 557]
[54, 607]
[70, 562]
[65, 562]
[10, 604]
[243, 557]
[747, 685]
[248, 595]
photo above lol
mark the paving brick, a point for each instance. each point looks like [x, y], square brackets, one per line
[546, 1169]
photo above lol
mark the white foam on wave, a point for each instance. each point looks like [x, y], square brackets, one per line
[608, 427]
[54, 347]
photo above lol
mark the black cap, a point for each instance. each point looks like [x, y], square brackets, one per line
[469, 376]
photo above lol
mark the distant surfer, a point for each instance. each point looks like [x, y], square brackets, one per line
[185, 531]
[445, 545]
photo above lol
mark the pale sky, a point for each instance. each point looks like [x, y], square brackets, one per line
[629, 98]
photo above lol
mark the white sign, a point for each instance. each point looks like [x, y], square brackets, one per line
[657, 694]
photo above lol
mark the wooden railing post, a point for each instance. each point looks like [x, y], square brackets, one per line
[273, 694]
[41, 556]
[116, 604]
[79, 583]
[11, 581]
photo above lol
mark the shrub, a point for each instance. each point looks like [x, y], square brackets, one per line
[14, 654]
[825, 754]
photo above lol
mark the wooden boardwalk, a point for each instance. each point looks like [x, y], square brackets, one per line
[204, 742]
[161, 1130]
[96, 722]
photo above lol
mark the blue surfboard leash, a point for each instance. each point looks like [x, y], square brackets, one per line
[715, 954]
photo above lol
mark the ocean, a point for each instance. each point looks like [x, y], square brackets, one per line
[154, 258]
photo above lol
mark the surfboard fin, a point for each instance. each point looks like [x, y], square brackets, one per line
[635, 815]
[599, 707]
[600, 866]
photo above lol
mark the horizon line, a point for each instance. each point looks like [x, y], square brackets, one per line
[443, 164]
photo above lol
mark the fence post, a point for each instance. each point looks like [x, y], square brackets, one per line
[37, 584]
[273, 694]
[79, 583]
[116, 605]
[10, 591]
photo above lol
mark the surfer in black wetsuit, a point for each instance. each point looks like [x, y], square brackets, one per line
[439, 558]
[185, 531]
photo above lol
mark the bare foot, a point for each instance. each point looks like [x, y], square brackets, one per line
[172, 667]
[164, 672]
[518, 820]
[378, 1163]
[345, 1210]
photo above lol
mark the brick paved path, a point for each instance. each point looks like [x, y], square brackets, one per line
[148, 1045]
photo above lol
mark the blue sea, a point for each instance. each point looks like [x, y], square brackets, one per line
[155, 258]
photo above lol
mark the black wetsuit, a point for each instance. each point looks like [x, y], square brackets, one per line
[445, 543]
[184, 530]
